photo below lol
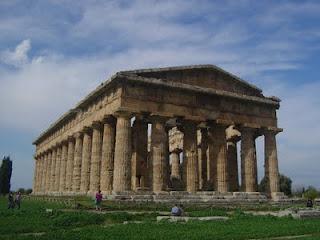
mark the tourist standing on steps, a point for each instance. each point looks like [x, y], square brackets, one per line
[98, 200]
[10, 201]
[18, 199]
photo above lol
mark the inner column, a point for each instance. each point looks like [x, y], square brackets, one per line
[190, 154]
[139, 176]
[159, 154]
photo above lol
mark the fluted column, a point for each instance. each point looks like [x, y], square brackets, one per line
[218, 157]
[40, 173]
[202, 156]
[122, 157]
[107, 159]
[36, 175]
[190, 154]
[48, 171]
[53, 169]
[43, 175]
[249, 180]
[76, 175]
[175, 164]
[86, 161]
[139, 153]
[271, 161]
[57, 169]
[63, 165]
[232, 156]
[69, 168]
[45, 163]
[96, 153]
[212, 160]
[159, 154]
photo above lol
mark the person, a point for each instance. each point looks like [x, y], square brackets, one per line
[176, 211]
[18, 199]
[10, 201]
[309, 203]
[181, 210]
[98, 200]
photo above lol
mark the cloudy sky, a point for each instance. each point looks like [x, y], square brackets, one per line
[53, 53]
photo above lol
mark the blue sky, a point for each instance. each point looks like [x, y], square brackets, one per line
[53, 53]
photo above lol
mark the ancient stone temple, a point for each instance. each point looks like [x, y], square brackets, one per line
[162, 131]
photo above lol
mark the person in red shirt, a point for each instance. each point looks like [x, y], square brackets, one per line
[98, 200]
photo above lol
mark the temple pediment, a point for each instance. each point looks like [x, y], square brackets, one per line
[205, 76]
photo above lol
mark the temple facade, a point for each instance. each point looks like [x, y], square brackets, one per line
[158, 131]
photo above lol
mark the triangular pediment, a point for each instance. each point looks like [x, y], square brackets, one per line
[206, 76]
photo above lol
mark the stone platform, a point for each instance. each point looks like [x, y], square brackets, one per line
[186, 197]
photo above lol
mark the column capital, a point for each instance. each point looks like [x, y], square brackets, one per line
[78, 134]
[176, 150]
[71, 138]
[86, 130]
[272, 130]
[97, 125]
[109, 119]
[157, 118]
[123, 114]
[64, 141]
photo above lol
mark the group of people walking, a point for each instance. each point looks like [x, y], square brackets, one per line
[14, 201]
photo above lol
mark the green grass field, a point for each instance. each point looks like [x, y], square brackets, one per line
[33, 222]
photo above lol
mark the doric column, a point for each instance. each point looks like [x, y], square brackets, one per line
[86, 160]
[190, 154]
[34, 185]
[53, 169]
[107, 159]
[96, 157]
[36, 175]
[271, 161]
[76, 175]
[63, 166]
[212, 160]
[122, 156]
[249, 180]
[139, 153]
[40, 173]
[57, 169]
[159, 154]
[232, 156]
[175, 164]
[69, 170]
[202, 156]
[43, 175]
[48, 172]
[219, 155]
[45, 163]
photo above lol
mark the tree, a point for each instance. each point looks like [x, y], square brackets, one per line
[311, 193]
[284, 181]
[5, 175]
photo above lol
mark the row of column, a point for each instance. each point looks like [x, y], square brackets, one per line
[113, 156]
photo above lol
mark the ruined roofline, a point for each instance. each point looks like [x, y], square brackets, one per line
[156, 81]
[190, 67]
[107, 83]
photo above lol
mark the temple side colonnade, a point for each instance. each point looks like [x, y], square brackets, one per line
[153, 131]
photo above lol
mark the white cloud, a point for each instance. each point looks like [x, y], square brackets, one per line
[19, 56]
[60, 70]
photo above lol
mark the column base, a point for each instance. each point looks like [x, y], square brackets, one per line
[278, 196]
